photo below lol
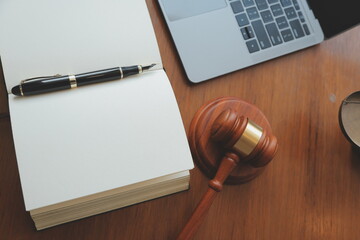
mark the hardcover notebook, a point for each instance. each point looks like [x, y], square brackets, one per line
[99, 147]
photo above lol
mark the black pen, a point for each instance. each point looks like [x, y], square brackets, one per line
[55, 83]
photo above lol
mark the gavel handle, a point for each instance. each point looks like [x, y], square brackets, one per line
[227, 164]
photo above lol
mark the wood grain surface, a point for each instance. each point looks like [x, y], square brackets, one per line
[311, 190]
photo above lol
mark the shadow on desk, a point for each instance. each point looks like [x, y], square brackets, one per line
[4, 106]
[355, 159]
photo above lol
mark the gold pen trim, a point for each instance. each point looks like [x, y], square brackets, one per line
[121, 73]
[140, 68]
[72, 80]
[21, 90]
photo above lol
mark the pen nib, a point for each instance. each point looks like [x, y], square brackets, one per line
[145, 68]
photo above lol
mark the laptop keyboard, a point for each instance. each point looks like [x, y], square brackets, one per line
[267, 23]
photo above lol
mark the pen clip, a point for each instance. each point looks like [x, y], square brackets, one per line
[39, 78]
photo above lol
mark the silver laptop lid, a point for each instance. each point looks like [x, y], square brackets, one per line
[215, 37]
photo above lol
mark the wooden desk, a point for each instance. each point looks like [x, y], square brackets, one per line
[310, 191]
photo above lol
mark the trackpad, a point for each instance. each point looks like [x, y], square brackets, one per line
[179, 9]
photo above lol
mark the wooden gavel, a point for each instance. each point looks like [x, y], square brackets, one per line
[244, 141]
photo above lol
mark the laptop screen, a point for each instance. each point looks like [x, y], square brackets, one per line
[336, 16]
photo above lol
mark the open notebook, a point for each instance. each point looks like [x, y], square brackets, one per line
[98, 147]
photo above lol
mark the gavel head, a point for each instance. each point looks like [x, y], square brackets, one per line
[244, 137]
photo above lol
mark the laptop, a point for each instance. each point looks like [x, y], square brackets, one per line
[215, 37]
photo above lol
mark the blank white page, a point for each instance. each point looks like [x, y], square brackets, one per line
[48, 37]
[78, 142]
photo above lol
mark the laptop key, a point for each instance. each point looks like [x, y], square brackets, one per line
[266, 16]
[250, 31]
[248, 3]
[247, 32]
[237, 7]
[276, 10]
[297, 29]
[261, 4]
[296, 4]
[244, 33]
[272, 1]
[252, 46]
[282, 22]
[285, 3]
[287, 35]
[261, 34]
[290, 13]
[252, 13]
[306, 28]
[242, 19]
[273, 34]
[301, 16]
